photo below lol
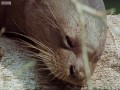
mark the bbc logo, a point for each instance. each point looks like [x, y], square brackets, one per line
[5, 3]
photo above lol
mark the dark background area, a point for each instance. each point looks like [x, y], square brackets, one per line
[113, 5]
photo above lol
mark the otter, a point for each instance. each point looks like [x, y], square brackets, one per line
[54, 25]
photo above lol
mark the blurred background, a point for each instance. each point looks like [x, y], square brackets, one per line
[113, 6]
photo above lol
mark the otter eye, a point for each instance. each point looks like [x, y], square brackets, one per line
[69, 42]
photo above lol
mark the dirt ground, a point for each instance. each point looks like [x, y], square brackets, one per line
[106, 75]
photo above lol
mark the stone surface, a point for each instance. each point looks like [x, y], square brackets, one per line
[17, 71]
[13, 72]
[107, 72]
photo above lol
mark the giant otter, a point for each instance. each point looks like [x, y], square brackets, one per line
[55, 24]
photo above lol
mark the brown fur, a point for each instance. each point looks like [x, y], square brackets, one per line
[55, 24]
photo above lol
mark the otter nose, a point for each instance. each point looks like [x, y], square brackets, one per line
[72, 71]
[77, 70]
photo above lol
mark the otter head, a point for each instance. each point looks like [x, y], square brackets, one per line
[55, 24]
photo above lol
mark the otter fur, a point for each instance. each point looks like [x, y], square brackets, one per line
[55, 24]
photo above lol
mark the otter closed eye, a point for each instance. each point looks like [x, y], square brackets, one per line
[69, 42]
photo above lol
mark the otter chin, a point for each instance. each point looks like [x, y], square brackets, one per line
[54, 27]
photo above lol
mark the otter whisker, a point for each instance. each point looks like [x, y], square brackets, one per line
[51, 68]
[67, 79]
[56, 75]
[47, 56]
[52, 73]
[41, 58]
[48, 64]
[51, 12]
[39, 55]
[49, 21]
[44, 52]
[50, 57]
[64, 77]
[49, 74]
[30, 45]
[44, 59]
[41, 51]
[46, 17]
[41, 65]
[35, 41]
[40, 44]
[17, 25]
[42, 55]
[61, 76]
[48, 67]
[42, 70]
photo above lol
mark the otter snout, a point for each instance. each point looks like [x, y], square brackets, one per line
[76, 70]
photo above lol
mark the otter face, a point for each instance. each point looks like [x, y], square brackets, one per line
[68, 55]
[68, 62]
[55, 24]
[58, 26]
